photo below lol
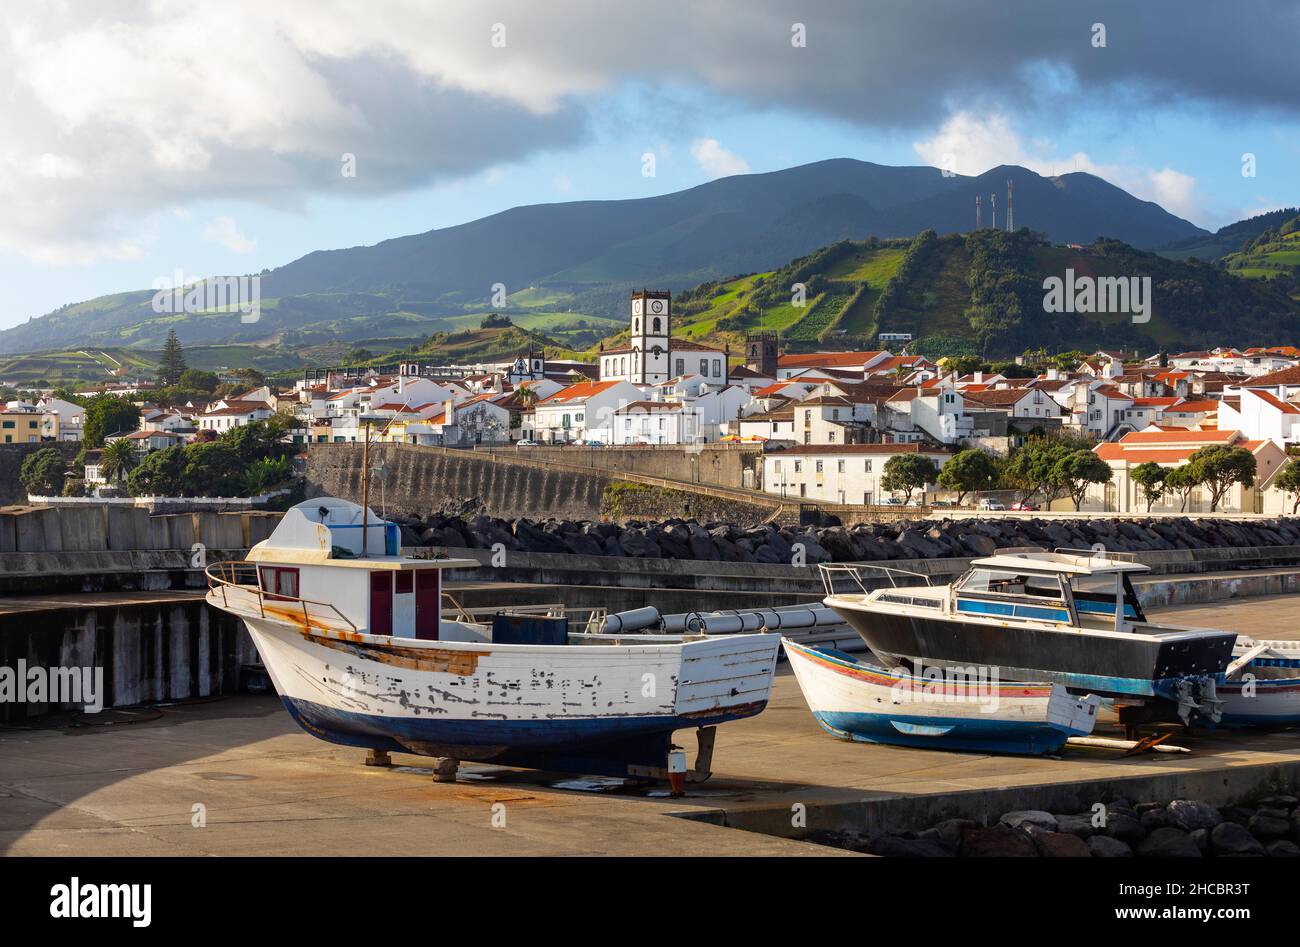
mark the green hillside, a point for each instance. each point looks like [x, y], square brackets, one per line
[1226, 240]
[1272, 255]
[983, 293]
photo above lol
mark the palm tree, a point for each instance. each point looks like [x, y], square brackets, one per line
[118, 459]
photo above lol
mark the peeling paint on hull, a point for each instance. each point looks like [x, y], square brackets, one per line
[587, 708]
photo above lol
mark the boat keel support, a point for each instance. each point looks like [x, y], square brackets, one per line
[378, 758]
[445, 770]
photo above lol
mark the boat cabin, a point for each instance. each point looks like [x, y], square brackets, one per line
[332, 565]
[1078, 590]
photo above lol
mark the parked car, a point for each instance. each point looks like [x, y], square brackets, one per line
[527, 443]
[988, 503]
[593, 443]
[1025, 506]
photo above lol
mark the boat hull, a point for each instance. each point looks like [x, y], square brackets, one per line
[586, 708]
[1116, 665]
[1264, 702]
[855, 701]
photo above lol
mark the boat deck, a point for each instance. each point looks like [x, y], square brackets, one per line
[269, 788]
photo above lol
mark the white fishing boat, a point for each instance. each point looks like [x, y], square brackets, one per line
[1261, 687]
[355, 639]
[854, 700]
[1068, 617]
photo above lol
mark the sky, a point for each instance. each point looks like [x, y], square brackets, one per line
[145, 140]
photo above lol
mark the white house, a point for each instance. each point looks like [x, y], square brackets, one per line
[582, 412]
[1172, 449]
[234, 414]
[1260, 414]
[845, 473]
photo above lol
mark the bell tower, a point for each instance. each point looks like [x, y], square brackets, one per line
[651, 320]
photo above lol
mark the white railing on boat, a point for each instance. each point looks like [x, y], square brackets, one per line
[240, 590]
[830, 571]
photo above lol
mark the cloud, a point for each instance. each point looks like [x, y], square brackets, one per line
[967, 143]
[224, 231]
[716, 161]
[122, 108]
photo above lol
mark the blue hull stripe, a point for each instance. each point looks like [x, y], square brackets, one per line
[982, 736]
[584, 744]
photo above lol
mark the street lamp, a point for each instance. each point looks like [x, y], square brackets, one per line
[367, 420]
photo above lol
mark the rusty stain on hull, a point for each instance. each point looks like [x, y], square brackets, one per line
[442, 660]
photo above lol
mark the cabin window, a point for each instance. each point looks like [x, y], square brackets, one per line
[279, 583]
[1009, 583]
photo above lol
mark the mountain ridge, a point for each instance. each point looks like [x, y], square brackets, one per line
[586, 253]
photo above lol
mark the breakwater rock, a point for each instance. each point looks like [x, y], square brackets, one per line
[919, 539]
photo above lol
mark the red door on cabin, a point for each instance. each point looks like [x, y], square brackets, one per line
[381, 603]
[428, 604]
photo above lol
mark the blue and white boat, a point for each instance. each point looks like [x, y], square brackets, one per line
[356, 641]
[857, 701]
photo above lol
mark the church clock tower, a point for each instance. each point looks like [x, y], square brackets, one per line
[651, 316]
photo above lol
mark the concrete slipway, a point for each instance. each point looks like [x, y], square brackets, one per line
[264, 787]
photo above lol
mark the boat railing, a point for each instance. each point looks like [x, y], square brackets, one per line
[830, 571]
[1094, 553]
[241, 590]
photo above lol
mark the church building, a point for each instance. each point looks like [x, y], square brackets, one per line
[652, 356]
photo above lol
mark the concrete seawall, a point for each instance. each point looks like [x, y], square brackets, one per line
[421, 480]
[161, 650]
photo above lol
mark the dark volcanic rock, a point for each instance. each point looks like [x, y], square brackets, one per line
[1168, 843]
[894, 847]
[1189, 815]
[1058, 844]
[1022, 818]
[1080, 825]
[1103, 846]
[1000, 841]
[1283, 848]
[1267, 824]
[948, 831]
[1232, 840]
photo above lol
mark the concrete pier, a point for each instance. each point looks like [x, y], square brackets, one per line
[235, 776]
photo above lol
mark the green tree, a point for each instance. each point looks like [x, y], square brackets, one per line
[1077, 471]
[266, 474]
[171, 365]
[1150, 478]
[967, 471]
[212, 470]
[907, 473]
[1033, 468]
[195, 379]
[259, 439]
[1288, 481]
[159, 474]
[1182, 480]
[42, 472]
[108, 414]
[1221, 467]
[118, 459]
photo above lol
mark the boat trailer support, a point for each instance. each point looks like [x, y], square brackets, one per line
[445, 770]
[705, 738]
[378, 758]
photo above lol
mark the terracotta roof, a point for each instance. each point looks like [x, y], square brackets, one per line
[1179, 437]
[579, 392]
[1285, 407]
[1002, 397]
[1195, 407]
[1283, 376]
[1162, 402]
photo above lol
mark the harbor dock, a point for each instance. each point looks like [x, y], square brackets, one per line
[235, 776]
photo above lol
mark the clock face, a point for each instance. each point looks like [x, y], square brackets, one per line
[656, 305]
[636, 307]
